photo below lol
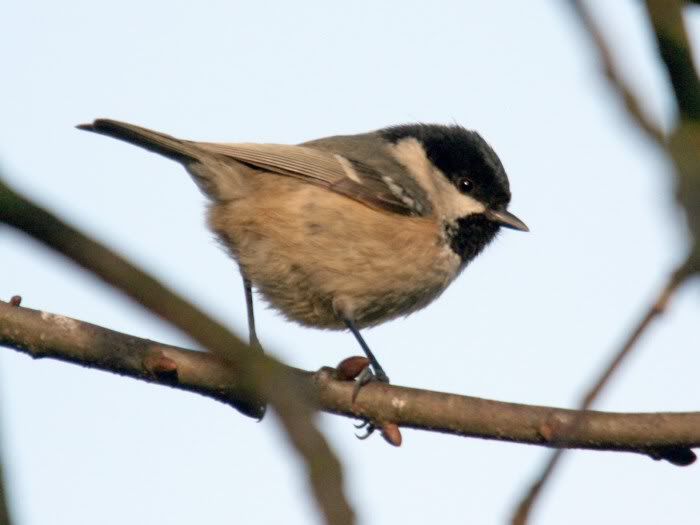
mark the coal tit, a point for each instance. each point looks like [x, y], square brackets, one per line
[347, 231]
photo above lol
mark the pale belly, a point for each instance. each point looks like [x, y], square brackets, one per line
[305, 258]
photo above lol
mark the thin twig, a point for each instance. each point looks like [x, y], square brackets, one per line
[260, 375]
[674, 48]
[523, 509]
[41, 334]
[617, 81]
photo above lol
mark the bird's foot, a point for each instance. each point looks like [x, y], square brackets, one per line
[367, 375]
[362, 371]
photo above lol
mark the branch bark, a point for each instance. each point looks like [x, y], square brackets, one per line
[42, 334]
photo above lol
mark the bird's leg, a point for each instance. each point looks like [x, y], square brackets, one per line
[373, 370]
[366, 375]
[253, 340]
[252, 336]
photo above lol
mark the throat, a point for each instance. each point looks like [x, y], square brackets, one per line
[469, 235]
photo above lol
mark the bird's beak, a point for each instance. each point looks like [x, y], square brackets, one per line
[507, 219]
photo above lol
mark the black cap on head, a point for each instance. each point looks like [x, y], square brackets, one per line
[460, 153]
[473, 167]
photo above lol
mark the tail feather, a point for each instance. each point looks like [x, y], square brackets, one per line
[217, 180]
[179, 150]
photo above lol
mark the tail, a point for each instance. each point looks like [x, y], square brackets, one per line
[217, 180]
[179, 150]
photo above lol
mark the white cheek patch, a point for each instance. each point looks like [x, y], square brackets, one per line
[455, 204]
[411, 156]
[448, 201]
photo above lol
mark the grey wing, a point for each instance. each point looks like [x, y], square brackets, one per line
[338, 173]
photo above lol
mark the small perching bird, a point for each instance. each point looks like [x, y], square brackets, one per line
[346, 231]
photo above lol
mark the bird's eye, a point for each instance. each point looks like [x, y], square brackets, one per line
[465, 185]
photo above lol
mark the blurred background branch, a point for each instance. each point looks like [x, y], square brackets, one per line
[259, 377]
[666, 17]
[635, 107]
[683, 149]
[4, 507]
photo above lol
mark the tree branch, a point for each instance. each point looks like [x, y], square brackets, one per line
[42, 334]
[258, 376]
[681, 456]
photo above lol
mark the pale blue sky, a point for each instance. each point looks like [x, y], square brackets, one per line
[531, 321]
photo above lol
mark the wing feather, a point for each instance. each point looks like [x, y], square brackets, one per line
[324, 168]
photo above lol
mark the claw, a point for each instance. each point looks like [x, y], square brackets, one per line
[370, 430]
[366, 424]
[369, 426]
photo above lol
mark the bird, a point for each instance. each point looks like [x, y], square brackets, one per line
[347, 231]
